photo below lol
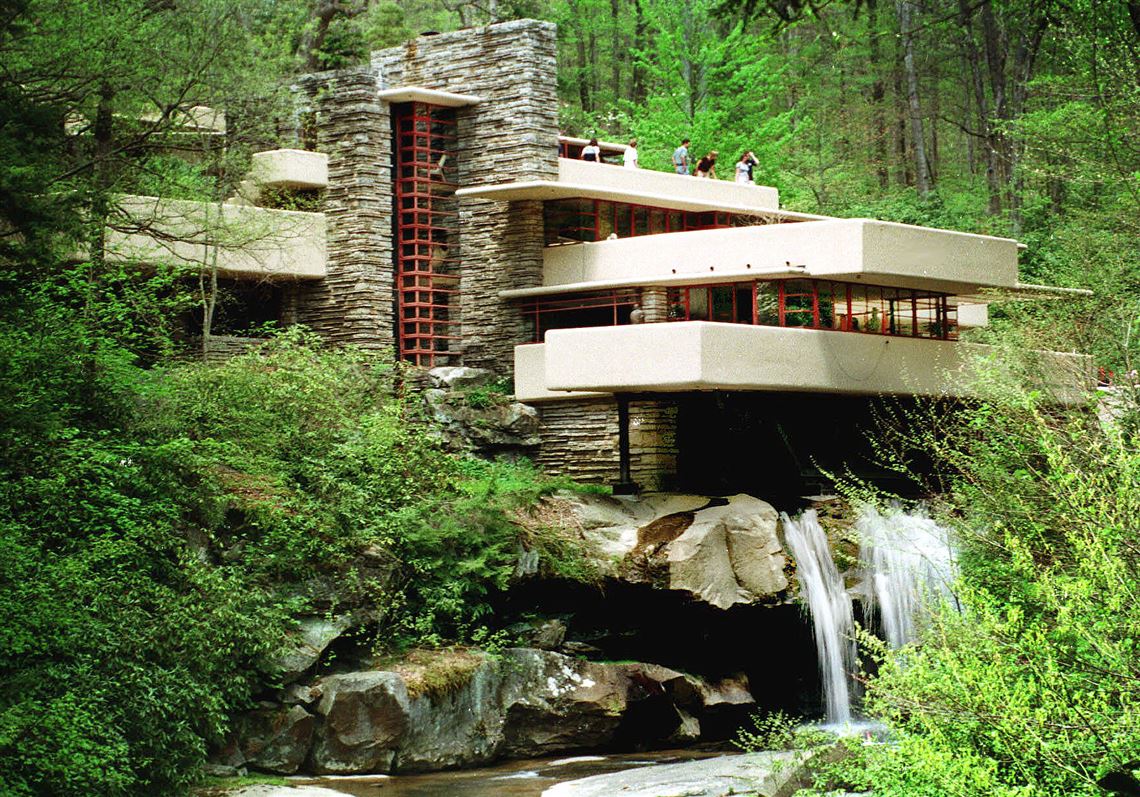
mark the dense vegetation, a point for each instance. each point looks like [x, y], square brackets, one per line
[161, 518]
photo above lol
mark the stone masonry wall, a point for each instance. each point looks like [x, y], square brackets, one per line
[653, 444]
[512, 136]
[354, 303]
[655, 304]
[580, 440]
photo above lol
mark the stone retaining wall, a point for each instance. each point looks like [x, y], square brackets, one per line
[580, 440]
[354, 303]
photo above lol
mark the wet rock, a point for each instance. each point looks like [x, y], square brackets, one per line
[276, 740]
[305, 646]
[769, 774]
[285, 791]
[461, 726]
[555, 703]
[365, 715]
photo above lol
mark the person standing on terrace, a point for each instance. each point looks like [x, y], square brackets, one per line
[706, 166]
[630, 156]
[592, 152]
[744, 167]
[681, 157]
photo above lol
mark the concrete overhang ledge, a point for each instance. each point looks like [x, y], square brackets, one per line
[431, 96]
[551, 190]
[670, 281]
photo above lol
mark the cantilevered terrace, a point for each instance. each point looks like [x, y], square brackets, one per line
[750, 297]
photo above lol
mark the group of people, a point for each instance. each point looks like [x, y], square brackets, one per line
[593, 152]
[704, 167]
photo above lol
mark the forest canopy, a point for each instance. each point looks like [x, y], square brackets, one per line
[129, 644]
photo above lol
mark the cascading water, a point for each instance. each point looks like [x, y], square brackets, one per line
[830, 607]
[908, 564]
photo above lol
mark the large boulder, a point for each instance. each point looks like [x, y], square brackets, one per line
[365, 717]
[483, 421]
[456, 726]
[555, 703]
[303, 648]
[722, 551]
[276, 739]
[729, 554]
[452, 709]
[770, 774]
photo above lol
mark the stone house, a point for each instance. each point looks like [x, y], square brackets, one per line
[671, 331]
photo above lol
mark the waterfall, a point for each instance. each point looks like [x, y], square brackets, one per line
[830, 606]
[908, 566]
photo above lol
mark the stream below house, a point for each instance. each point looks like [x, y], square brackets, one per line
[527, 778]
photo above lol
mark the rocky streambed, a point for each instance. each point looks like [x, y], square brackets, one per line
[660, 774]
[691, 630]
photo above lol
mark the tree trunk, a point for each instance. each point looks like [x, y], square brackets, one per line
[922, 181]
[616, 52]
[637, 93]
[583, 73]
[985, 123]
[878, 92]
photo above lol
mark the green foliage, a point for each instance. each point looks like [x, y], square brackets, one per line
[159, 527]
[1032, 688]
[770, 731]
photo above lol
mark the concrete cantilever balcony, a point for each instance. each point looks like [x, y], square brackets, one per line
[698, 355]
[240, 241]
[586, 180]
[291, 169]
[854, 250]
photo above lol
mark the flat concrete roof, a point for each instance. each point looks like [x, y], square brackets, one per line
[431, 96]
[864, 251]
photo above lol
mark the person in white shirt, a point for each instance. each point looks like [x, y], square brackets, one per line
[630, 156]
[744, 167]
[592, 152]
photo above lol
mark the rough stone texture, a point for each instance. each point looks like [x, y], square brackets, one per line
[722, 555]
[462, 727]
[365, 715]
[453, 377]
[524, 703]
[278, 739]
[304, 647]
[579, 440]
[653, 444]
[500, 427]
[555, 703]
[769, 774]
[512, 136]
[223, 347]
[355, 302]
[730, 554]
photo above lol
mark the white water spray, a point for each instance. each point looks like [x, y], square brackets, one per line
[908, 564]
[830, 607]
